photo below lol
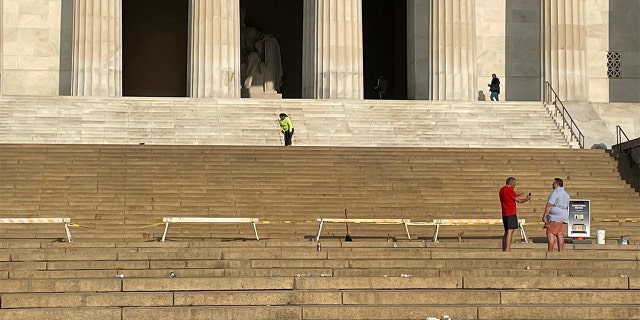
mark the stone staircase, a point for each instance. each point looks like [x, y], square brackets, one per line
[291, 280]
[361, 123]
[81, 158]
[119, 192]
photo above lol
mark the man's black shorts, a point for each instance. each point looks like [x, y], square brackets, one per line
[510, 222]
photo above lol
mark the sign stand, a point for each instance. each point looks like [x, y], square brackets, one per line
[579, 227]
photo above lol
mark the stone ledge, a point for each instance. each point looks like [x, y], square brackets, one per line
[190, 284]
[205, 313]
[559, 312]
[546, 283]
[378, 283]
[62, 313]
[61, 285]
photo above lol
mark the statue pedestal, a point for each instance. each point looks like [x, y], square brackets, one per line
[257, 92]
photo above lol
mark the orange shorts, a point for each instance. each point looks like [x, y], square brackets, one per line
[556, 227]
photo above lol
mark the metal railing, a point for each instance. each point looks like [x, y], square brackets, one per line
[619, 134]
[551, 97]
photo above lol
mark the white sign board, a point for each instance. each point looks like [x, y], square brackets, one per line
[579, 218]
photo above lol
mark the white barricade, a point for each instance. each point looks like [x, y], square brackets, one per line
[168, 220]
[405, 222]
[468, 222]
[65, 221]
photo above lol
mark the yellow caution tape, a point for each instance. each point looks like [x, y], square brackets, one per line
[284, 221]
[533, 223]
[75, 225]
[257, 222]
[151, 225]
[620, 220]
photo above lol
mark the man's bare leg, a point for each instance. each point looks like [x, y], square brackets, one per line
[550, 241]
[506, 240]
[560, 241]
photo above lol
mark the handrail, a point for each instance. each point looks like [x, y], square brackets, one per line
[619, 134]
[551, 97]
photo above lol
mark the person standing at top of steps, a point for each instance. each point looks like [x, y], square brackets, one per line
[494, 87]
[556, 214]
[508, 199]
[381, 87]
[287, 128]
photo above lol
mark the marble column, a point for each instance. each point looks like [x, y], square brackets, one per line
[97, 48]
[564, 48]
[453, 50]
[214, 49]
[332, 50]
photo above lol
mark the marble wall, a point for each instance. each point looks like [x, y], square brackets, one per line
[597, 42]
[31, 47]
[598, 121]
[624, 17]
[1, 45]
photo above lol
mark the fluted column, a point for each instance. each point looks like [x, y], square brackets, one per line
[97, 48]
[332, 50]
[564, 48]
[453, 50]
[214, 51]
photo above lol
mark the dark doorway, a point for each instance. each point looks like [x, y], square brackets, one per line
[282, 19]
[384, 25]
[154, 47]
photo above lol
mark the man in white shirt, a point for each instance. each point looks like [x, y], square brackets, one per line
[556, 215]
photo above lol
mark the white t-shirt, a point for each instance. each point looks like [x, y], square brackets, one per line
[560, 210]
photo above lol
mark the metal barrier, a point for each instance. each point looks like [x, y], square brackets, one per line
[404, 222]
[468, 222]
[168, 220]
[65, 221]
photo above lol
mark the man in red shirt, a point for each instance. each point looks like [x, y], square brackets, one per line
[508, 200]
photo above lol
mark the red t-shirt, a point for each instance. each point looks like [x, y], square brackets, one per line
[508, 200]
